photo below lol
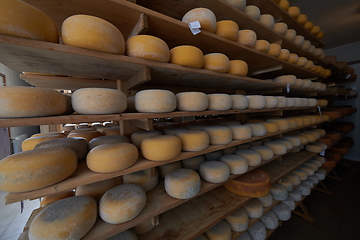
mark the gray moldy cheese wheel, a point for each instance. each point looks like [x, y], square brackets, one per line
[148, 47]
[270, 220]
[126, 235]
[30, 102]
[295, 195]
[35, 169]
[122, 203]
[221, 230]
[161, 148]
[214, 171]
[278, 192]
[97, 189]
[193, 162]
[267, 200]
[219, 134]
[107, 139]
[287, 183]
[155, 101]
[167, 168]
[257, 231]
[98, 101]
[282, 212]
[238, 220]
[254, 208]
[236, 163]
[146, 181]
[78, 145]
[182, 183]
[67, 219]
[290, 203]
[192, 101]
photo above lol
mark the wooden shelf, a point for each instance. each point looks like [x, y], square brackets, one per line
[17, 122]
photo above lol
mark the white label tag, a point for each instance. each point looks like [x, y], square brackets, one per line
[319, 109]
[322, 153]
[348, 76]
[288, 87]
[195, 27]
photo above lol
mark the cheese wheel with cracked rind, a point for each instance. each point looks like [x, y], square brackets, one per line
[155, 101]
[92, 32]
[247, 37]
[205, 16]
[148, 47]
[193, 140]
[214, 171]
[70, 218]
[97, 189]
[182, 183]
[193, 162]
[219, 134]
[219, 231]
[237, 164]
[188, 56]
[217, 62]
[239, 102]
[219, 102]
[238, 220]
[227, 29]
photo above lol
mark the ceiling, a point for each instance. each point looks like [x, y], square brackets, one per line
[339, 19]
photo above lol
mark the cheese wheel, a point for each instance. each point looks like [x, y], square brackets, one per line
[306, 45]
[309, 64]
[239, 4]
[286, 142]
[266, 200]
[238, 220]
[266, 153]
[122, 203]
[318, 52]
[188, 56]
[262, 46]
[304, 189]
[290, 203]
[219, 102]
[301, 174]
[111, 157]
[294, 58]
[258, 230]
[290, 34]
[314, 148]
[217, 62]
[182, 183]
[229, 150]
[270, 102]
[214, 171]
[309, 182]
[323, 85]
[91, 32]
[274, 50]
[267, 20]
[278, 192]
[295, 141]
[315, 179]
[302, 19]
[297, 102]
[30, 102]
[227, 29]
[294, 12]
[291, 79]
[277, 147]
[49, 199]
[282, 212]
[238, 67]
[107, 139]
[299, 82]
[97, 189]
[137, 137]
[161, 148]
[315, 30]
[256, 101]
[254, 208]
[69, 218]
[304, 102]
[237, 164]
[309, 25]
[307, 83]
[219, 231]
[284, 54]
[322, 102]
[213, 156]
[269, 220]
[148, 47]
[312, 49]
[284, 4]
[247, 37]
[290, 102]
[239, 102]
[205, 16]
[35, 169]
[310, 137]
[294, 178]
[155, 101]
[193, 162]
[283, 124]
[219, 134]
[240, 132]
[280, 28]
[253, 12]
[281, 102]
[299, 40]
[257, 130]
[167, 168]
[321, 173]
[253, 157]
[292, 123]
[301, 61]
[144, 180]
[270, 127]
[192, 141]
[30, 143]
[78, 145]
[320, 35]
[295, 195]
[286, 183]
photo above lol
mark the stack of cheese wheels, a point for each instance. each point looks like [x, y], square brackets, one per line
[247, 38]
[146, 179]
[161, 148]
[148, 47]
[182, 183]
[30, 102]
[78, 31]
[155, 101]
[205, 16]
[97, 189]
[188, 56]
[35, 169]
[217, 62]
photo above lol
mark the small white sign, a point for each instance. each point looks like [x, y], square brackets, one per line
[288, 87]
[319, 109]
[195, 27]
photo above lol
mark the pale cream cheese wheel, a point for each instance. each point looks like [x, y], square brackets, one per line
[155, 101]
[192, 101]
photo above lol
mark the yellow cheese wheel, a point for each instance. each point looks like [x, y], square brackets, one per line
[107, 139]
[309, 25]
[253, 11]
[192, 101]
[21, 19]
[137, 137]
[38, 168]
[155, 101]
[284, 4]
[193, 140]
[111, 157]
[238, 220]
[237, 164]
[284, 54]
[277, 147]
[147, 179]
[265, 152]
[148, 47]
[294, 58]
[165, 169]
[290, 34]
[327, 73]
[301, 61]
[247, 38]
[309, 64]
[92, 33]
[238, 67]
[239, 4]
[240, 132]
[256, 101]
[30, 102]
[299, 40]
[188, 56]
[193, 162]
[30, 143]
[88, 135]
[182, 183]
[214, 171]
[270, 127]
[294, 12]
[320, 35]
[48, 133]
[219, 231]
[69, 218]
[280, 28]
[161, 148]
[219, 134]
[49, 199]
[122, 203]
[239, 102]
[219, 102]
[301, 174]
[302, 19]
[217, 62]
[274, 50]
[315, 30]
[262, 46]
[310, 137]
[270, 101]
[98, 101]
[252, 156]
[267, 20]
[97, 189]
[292, 123]
[227, 29]
[205, 16]
[291, 79]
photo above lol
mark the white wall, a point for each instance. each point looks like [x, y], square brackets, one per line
[349, 53]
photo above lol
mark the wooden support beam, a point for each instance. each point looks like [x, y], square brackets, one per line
[140, 27]
[334, 175]
[325, 189]
[305, 214]
[139, 78]
[146, 124]
[267, 70]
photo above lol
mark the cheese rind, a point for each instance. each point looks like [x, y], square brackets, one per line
[266, 201]
[258, 230]
[253, 11]
[267, 20]
[221, 230]
[155, 101]
[238, 220]
[217, 62]
[192, 140]
[227, 29]
[107, 139]
[282, 212]
[256, 101]
[219, 102]
[97, 189]
[146, 181]
[252, 156]
[219, 134]
[240, 132]
[269, 220]
[280, 28]
[214, 171]
[239, 102]
[137, 137]
[188, 56]
[182, 183]
[238, 67]
[148, 47]
[161, 148]
[193, 162]
[254, 208]
[237, 164]
[262, 46]
[247, 37]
